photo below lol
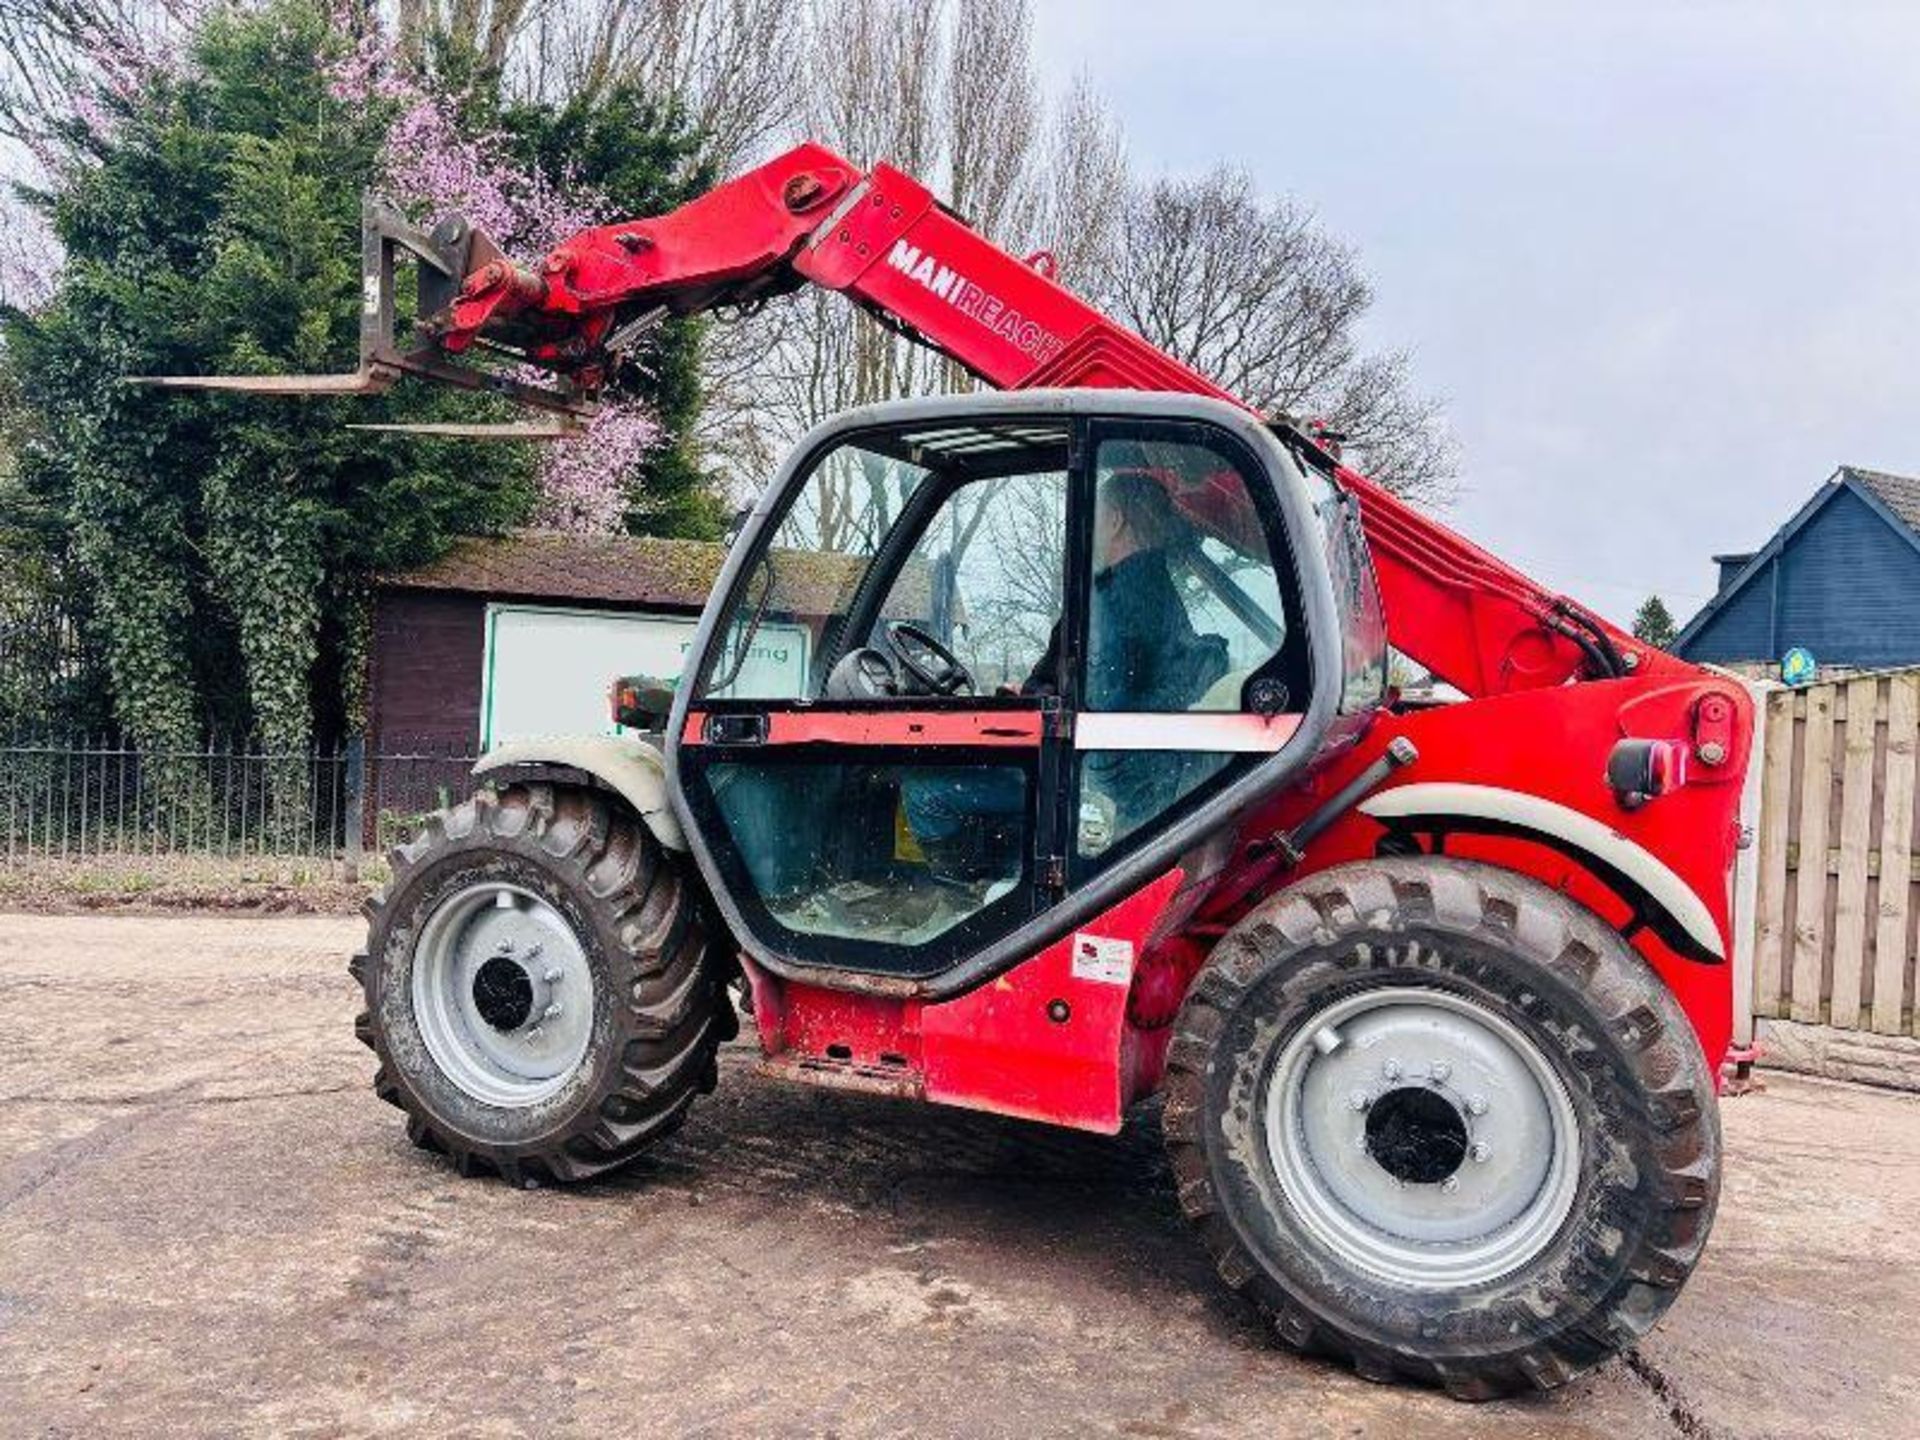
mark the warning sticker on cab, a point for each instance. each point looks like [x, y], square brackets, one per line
[1107, 962]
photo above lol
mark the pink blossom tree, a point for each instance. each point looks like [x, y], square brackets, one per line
[433, 163]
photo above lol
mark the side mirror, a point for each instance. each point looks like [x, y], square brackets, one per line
[640, 702]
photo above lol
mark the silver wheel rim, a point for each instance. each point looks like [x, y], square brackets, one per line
[1422, 1138]
[502, 995]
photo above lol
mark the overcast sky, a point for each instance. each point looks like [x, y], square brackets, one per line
[1660, 259]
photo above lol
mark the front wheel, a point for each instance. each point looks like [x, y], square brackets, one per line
[540, 991]
[1435, 1118]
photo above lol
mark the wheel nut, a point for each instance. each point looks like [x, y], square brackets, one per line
[505, 947]
[552, 1012]
[1391, 1069]
[1358, 1100]
[1450, 1184]
[552, 977]
[1440, 1070]
[533, 950]
[1479, 1153]
[1476, 1105]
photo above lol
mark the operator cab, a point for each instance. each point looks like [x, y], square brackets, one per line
[976, 665]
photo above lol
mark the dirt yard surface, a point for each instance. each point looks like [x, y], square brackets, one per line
[171, 884]
[208, 1225]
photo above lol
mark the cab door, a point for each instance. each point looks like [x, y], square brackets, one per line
[975, 679]
[873, 751]
[1196, 664]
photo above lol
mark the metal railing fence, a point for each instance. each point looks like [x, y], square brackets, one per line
[78, 799]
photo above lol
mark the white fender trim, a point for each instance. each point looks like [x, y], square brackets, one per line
[1582, 832]
[633, 769]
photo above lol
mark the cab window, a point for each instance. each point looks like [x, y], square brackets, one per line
[1356, 590]
[1192, 611]
[800, 588]
[984, 579]
[951, 534]
[1185, 601]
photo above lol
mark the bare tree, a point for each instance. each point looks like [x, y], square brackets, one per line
[993, 108]
[1397, 435]
[1251, 292]
[1257, 297]
[994, 115]
[812, 354]
[945, 90]
[734, 66]
[1083, 184]
[486, 29]
[1254, 296]
[54, 50]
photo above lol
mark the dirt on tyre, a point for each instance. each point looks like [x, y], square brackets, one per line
[1438, 1120]
[539, 987]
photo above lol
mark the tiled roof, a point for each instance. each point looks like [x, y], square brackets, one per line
[1899, 493]
[553, 565]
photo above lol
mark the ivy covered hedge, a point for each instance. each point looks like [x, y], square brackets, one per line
[210, 217]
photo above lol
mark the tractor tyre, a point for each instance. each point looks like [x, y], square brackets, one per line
[1442, 1122]
[539, 986]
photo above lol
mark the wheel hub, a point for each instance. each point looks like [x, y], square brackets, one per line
[1417, 1136]
[502, 994]
[1422, 1137]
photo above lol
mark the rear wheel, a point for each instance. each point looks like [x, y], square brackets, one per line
[539, 987]
[1435, 1118]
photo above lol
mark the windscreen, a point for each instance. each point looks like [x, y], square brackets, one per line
[799, 590]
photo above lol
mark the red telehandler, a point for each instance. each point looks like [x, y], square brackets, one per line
[1036, 753]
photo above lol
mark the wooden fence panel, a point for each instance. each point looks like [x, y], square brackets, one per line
[1776, 832]
[1892, 936]
[1856, 813]
[1810, 884]
[1838, 887]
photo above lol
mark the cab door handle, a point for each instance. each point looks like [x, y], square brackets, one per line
[736, 729]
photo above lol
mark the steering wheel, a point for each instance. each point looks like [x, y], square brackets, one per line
[863, 674]
[928, 661]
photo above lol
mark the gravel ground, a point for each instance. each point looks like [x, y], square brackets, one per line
[208, 1225]
[173, 884]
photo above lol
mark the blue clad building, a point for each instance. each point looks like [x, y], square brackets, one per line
[1841, 579]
